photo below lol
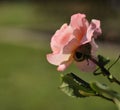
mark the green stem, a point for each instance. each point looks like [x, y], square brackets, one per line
[114, 62]
[106, 98]
[105, 71]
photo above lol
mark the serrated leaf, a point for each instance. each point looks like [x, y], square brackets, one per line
[102, 60]
[74, 86]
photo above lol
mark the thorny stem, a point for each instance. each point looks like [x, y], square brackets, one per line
[105, 71]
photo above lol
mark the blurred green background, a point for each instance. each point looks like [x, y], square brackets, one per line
[27, 80]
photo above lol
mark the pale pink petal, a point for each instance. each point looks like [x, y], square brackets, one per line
[79, 24]
[94, 47]
[86, 66]
[64, 55]
[61, 38]
[63, 66]
[54, 40]
[93, 30]
[71, 46]
[78, 20]
[57, 59]
[63, 44]
[98, 30]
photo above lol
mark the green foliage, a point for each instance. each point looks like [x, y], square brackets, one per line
[106, 91]
[76, 87]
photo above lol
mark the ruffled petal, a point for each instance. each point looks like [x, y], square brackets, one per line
[61, 38]
[93, 30]
[97, 30]
[63, 44]
[57, 59]
[86, 66]
[71, 46]
[94, 47]
[78, 20]
[79, 24]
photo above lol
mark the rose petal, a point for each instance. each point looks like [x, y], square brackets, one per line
[86, 66]
[93, 31]
[63, 66]
[78, 20]
[98, 30]
[94, 47]
[71, 46]
[79, 24]
[61, 38]
[57, 59]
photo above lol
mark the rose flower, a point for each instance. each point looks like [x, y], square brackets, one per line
[75, 42]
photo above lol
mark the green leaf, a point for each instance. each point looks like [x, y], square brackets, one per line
[102, 60]
[73, 86]
[104, 90]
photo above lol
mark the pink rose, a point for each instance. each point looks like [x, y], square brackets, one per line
[74, 41]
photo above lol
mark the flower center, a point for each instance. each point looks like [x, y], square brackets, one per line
[82, 52]
[78, 56]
